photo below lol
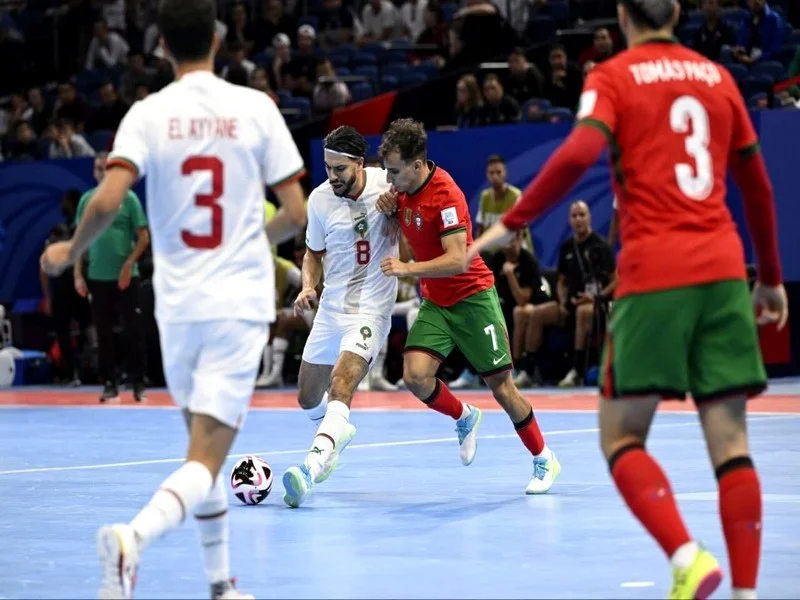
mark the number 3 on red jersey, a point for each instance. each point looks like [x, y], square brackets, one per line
[212, 165]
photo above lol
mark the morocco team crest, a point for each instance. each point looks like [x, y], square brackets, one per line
[361, 225]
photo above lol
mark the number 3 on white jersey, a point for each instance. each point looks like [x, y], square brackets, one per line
[695, 181]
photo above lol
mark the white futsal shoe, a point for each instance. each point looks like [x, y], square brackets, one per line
[545, 470]
[226, 590]
[119, 560]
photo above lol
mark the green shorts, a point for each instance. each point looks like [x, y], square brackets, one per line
[476, 325]
[700, 340]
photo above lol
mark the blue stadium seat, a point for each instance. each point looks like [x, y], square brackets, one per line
[361, 91]
[770, 68]
[734, 17]
[559, 10]
[339, 61]
[794, 38]
[726, 55]
[786, 54]
[312, 20]
[99, 140]
[284, 96]
[541, 103]
[739, 72]
[389, 83]
[394, 55]
[540, 28]
[368, 71]
[448, 10]
[429, 69]
[395, 69]
[695, 17]
[361, 59]
[560, 114]
[409, 79]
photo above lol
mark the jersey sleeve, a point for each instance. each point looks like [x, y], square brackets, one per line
[130, 142]
[281, 163]
[315, 232]
[599, 102]
[452, 211]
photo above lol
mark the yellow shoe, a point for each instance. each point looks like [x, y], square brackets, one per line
[698, 581]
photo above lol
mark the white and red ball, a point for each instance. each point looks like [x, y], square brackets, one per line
[251, 480]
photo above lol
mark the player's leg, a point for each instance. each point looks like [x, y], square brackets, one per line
[725, 368]
[214, 379]
[429, 342]
[480, 333]
[584, 323]
[645, 361]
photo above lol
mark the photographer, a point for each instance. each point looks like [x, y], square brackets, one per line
[586, 281]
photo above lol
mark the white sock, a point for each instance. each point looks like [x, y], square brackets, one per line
[330, 430]
[178, 496]
[279, 346]
[464, 411]
[212, 527]
[743, 594]
[317, 413]
[266, 360]
[685, 555]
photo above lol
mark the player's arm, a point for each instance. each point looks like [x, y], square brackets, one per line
[750, 174]
[291, 216]
[581, 150]
[452, 262]
[562, 291]
[311, 273]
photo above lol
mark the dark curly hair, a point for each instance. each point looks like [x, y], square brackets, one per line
[407, 137]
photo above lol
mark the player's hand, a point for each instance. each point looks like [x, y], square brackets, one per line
[508, 268]
[80, 286]
[56, 258]
[124, 279]
[394, 267]
[496, 235]
[773, 304]
[391, 229]
[306, 300]
[582, 298]
[387, 202]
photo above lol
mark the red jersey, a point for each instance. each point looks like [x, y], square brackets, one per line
[672, 118]
[438, 209]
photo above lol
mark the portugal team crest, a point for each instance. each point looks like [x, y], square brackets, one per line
[418, 221]
[407, 216]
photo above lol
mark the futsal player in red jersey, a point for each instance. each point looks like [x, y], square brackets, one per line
[460, 306]
[682, 321]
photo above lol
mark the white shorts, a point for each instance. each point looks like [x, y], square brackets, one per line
[211, 366]
[334, 332]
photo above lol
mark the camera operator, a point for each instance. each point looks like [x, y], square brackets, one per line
[586, 281]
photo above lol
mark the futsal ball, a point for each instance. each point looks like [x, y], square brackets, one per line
[251, 480]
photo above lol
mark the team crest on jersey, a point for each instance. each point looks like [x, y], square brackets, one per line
[407, 216]
[365, 332]
[418, 221]
[361, 225]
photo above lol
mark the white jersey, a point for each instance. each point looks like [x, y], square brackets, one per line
[207, 147]
[351, 234]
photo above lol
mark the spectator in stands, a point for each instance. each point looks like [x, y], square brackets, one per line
[761, 36]
[108, 49]
[67, 143]
[23, 145]
[70, 106]
[413, 14]
[237, 57]
[113, 280]
[240, 29]
[498, 198]
[517, 277]
[524, 79]
[434, 32]
[381, 21]
[259, 81]
[110, 112]
[237, 75]
[301, 73]
[586, 275]
[469, 103]
[37, 114]
[483, 33]
[336, 24]
[601, 49]
[136, 73]
[141, 92]
[499, 109]
[714, 32]
[329, 93]
[279, 68]
[273, 21]
[564, 80]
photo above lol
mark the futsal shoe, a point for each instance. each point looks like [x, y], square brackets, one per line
[697, 581]
[119, 559]
[297, 483]
[467, 430]
[226, 590]
[333, 457]
[545, 470]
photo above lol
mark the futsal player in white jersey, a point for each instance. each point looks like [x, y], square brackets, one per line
[207, 148]
[347, 238]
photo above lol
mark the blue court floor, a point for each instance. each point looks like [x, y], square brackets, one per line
[401, 518]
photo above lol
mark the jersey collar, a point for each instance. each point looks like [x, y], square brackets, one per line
[660, 39]
[432, 167]
[361, 191]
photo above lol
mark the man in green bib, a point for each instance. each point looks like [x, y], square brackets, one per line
[112, 277]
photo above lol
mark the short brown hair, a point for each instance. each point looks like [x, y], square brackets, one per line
[407, 137]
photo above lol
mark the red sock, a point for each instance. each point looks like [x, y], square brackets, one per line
[740, 510]
[647, 493]
[443, 401]
[530, 434]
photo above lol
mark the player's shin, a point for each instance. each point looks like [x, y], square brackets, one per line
[177, 496]
[740, 511]
[332, 428]
[530, 434]
[212, 527]
[443, 401]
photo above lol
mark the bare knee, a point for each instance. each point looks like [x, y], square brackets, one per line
[725, 429]
[419, 374]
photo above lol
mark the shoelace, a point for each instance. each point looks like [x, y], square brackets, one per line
[539, 467]
[462, 429]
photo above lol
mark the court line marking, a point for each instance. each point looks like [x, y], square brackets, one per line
[637, 584]
[504, 436]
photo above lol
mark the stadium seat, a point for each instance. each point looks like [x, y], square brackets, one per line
[395, 69]
[361, 91]
[560, 114]
[100, 139]
[770, 68]
[362, 59]
[409, 79]
[540, 28]
[739, 72]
